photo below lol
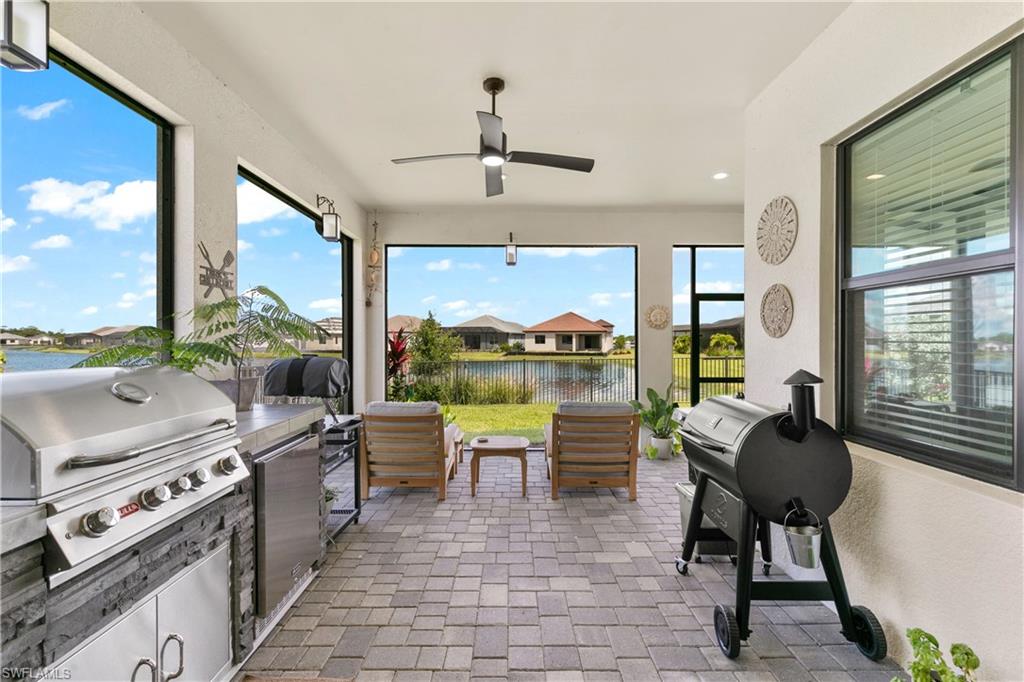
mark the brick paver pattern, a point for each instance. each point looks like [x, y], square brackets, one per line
[502, 587]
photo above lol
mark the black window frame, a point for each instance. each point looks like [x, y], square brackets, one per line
[347, 245]
[1011, 259]
[164, 184]
[540, 339]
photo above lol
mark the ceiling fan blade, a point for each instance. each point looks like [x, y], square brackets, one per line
[575, 163]
[495, 186]
[490, 129]
[435, 157]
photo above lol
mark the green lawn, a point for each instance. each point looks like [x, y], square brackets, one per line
[485, 356]
[504, 420]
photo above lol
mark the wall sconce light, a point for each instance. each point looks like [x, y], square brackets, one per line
[330, 222]
[24, 34]
[510, 251]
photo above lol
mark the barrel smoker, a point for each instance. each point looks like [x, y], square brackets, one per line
[756, 465]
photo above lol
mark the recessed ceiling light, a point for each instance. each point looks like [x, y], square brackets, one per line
[504, 177]
[874, 176]
[720, 175]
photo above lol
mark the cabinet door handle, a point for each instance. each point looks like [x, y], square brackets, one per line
[149, 663]
[181, 657]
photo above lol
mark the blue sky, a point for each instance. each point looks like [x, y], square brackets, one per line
[78, 247]
[719, 271]
[279, 247]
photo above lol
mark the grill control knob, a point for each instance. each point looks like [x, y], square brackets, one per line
[180, 486]
[229, 464]
[153, 497]
[199, 478]
[96, 523]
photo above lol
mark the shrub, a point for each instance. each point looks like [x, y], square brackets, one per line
[681, 345]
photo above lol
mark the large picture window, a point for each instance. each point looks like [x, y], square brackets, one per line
[930, 232]
[86, 218]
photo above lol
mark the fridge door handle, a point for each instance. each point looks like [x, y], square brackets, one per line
[181, 657]
[149, 663]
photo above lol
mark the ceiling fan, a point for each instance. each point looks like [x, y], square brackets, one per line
[494, 148]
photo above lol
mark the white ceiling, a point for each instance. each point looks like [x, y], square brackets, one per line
[654, 92]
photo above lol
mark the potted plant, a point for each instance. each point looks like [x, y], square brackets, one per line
[929, 665]
[658, 419]
[228, 333]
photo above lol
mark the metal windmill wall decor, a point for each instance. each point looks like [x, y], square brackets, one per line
[776, 230]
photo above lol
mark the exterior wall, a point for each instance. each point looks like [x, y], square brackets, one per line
[920, 546]
[653, 232]
[215, 132]
[533, 347]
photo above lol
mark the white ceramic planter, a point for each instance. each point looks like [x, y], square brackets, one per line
[663, 446]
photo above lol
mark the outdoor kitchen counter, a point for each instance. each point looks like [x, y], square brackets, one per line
[21, 525]
[264, 425]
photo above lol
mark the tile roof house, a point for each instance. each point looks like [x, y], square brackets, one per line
[487, 332]
[409, 323]
[334, 326]
[570, 333]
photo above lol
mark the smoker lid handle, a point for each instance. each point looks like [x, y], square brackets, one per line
[84, 461]
[703, 443]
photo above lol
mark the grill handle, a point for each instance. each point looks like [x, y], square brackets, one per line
[703, 443]
[84, 461]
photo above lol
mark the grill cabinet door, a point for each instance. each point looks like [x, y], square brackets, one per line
[197, 608]
[115, 653]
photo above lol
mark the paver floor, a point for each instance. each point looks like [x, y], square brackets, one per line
[505, 587]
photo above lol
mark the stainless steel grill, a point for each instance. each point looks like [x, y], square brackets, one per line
[115, 455]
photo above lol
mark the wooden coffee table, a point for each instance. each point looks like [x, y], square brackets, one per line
[496, 446]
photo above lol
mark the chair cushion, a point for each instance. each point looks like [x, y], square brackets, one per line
[584, 409]
[452, 434]
[380, 408]
[547, 439]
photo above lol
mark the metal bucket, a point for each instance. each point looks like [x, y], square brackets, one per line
[804, 542]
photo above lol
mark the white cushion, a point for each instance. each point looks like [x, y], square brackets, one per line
[380, 408]
[584, 409]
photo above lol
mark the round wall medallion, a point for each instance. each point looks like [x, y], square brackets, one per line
[776, 310]
[657, 317]
[776, 230]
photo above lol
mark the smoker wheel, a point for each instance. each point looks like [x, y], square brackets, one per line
[868, 634]
[727, 630]
[698, 560]
[732, 559]
[682, 567]
[766, 569]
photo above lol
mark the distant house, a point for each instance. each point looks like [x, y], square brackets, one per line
[334, 326]
[731, 325]
[103, 336]
[9, 339]
[409, 323]
[570, 333]
[488, 332]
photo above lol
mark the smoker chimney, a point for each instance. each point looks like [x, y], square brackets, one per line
[802, 392]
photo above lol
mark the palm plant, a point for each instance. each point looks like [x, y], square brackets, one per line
[397, 359]
[228, 333]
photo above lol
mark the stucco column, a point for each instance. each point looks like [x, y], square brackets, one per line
[654, 287]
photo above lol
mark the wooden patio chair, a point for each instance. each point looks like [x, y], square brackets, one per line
[407, 445]
[593, 444]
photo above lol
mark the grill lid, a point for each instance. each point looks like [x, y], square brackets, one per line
[53, 416]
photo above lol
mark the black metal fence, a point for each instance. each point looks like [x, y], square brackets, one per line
[726, 369]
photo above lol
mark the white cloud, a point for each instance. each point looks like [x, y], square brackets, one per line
[54, 241]
[256, 205]
[428, 299]
[395, 251]
[606, 299]
[41, 111]
[89, 310]
[147, 257]
[108, 210]
[117, 275]
[129, 298]
[14, 263]
[329, 304]
[718, 287]
[336, 251]
[493, 280]
[563, 251]
[35, 220]
[5, 222]
[147, 279]
[272, 232]
[243, 245]
[296, 255]
[455, 305]
[440, 265]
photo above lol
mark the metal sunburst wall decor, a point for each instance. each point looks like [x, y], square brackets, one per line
[776, 230]
[776, 310]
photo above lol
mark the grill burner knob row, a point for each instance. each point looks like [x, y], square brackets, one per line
[180, 486]
[229, 464]
[96, 523]
[153, 497]
[199, 478]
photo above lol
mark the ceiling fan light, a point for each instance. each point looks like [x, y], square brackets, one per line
[493, 159]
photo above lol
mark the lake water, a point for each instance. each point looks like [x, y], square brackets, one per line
[31, 360]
